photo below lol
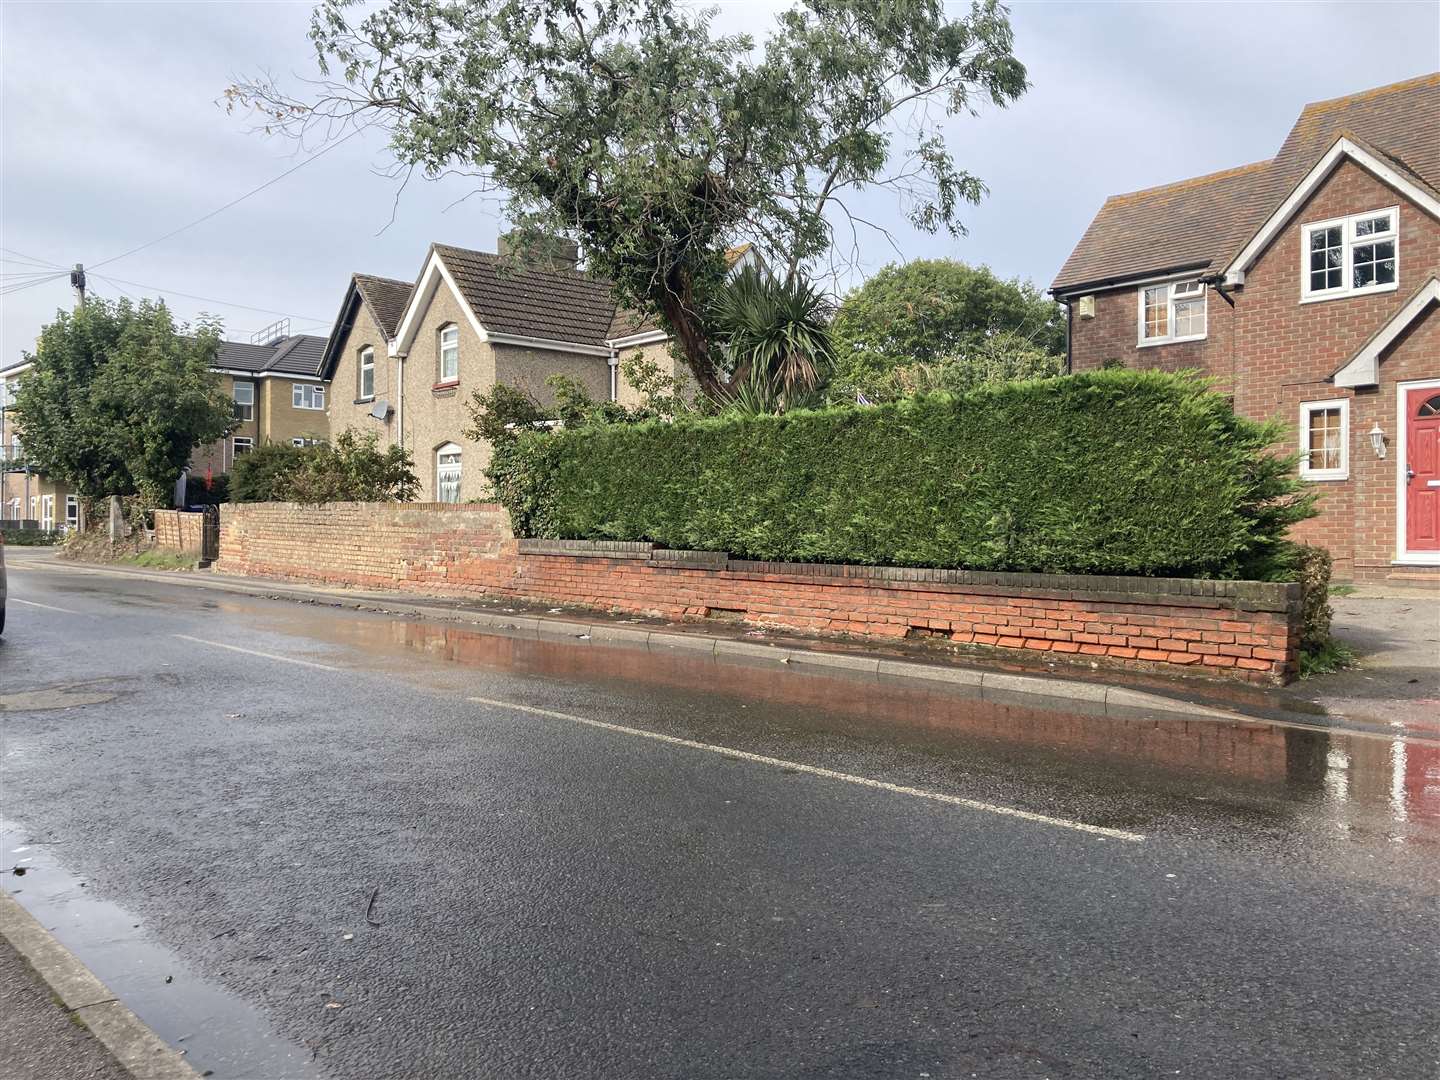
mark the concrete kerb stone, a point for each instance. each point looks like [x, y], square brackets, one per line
[140, 1052]
[1119, 701]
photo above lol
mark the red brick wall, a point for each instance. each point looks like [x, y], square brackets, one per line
[436, 547]
[1271, 352]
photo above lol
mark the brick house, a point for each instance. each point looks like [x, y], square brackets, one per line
[405, 358]
[1307, 286]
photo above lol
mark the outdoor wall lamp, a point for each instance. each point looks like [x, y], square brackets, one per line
[1377, 440]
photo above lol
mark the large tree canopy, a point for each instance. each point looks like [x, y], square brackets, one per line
[119, 397]
[630, 126]
[939, 312]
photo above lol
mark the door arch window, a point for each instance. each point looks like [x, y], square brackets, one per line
[447, 473]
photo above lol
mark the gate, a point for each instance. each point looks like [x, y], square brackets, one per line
[210, 536]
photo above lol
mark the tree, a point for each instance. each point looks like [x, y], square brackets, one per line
[119, 398]
[629, 126]
[938, 311]
[1003, 357]
[776, 341]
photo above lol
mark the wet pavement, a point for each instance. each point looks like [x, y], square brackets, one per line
[366, 872]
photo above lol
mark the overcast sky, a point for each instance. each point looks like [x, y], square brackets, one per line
[112, 137]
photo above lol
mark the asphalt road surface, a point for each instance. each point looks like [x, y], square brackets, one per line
[397, 849]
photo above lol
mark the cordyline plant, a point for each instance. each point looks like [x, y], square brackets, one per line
[657, 144]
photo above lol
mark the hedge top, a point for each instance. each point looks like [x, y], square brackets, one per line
[1110, 472]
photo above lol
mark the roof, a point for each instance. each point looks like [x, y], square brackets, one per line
[1199, 224]
[299, 354]
[510, 298]
[386, 298]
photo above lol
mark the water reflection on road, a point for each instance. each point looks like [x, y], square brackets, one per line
[1360, 782]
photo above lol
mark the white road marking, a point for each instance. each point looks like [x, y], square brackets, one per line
[257, 652]
[829, 774]
[47, 607]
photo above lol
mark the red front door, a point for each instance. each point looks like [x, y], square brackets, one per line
[1422, 485]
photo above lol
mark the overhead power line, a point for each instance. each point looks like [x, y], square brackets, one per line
[117, 282]
[233, 202]
[22, 257]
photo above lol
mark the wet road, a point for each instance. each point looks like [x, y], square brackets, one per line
[808, 877]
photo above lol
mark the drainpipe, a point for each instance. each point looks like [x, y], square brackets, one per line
[399, 395]
[1069, 323]
[614, 375]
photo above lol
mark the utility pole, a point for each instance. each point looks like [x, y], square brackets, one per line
[77, 282]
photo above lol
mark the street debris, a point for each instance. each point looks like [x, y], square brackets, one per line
[371, 906]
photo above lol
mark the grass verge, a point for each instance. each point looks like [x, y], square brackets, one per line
[161, 560]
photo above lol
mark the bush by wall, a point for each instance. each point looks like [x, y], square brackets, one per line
[1110, 472]
[32, 537]
[351, 469]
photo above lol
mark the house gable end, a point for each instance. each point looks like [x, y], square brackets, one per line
[1364, 367]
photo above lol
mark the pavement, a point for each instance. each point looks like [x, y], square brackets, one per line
[305, 840]
[38, 1038]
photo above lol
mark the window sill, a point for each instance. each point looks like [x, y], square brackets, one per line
[1347, 294]
[1321, 477]
[1170, 341]
[446, 387]
[364, 400]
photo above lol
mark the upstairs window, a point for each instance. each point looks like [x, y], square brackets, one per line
[244, 401]
[1325, 439]
[1174, 311]
[307, 396]
[367, 373]
[449, 353]
[1350, 255]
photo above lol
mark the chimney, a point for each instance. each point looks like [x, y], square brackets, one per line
[540, 253]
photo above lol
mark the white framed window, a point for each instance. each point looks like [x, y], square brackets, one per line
[1172, 311]
[1325, 439]
[72, 512]
[307, 396]
[47, 513]
[241, 445]
[244, 394]
[1350, 256]
[449, 353]
[447, 474]
[367, 373]
[305, 441]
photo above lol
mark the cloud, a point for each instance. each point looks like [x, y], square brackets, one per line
[111, 137]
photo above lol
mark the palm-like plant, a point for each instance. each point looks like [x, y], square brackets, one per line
[776, 337]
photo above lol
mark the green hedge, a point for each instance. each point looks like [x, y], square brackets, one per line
[1111, 472]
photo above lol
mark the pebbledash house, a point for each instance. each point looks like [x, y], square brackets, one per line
[1308, 288]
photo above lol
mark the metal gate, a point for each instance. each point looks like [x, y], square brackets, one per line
[210, 535]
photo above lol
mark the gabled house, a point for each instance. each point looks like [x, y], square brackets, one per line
[1307, 287]
[406, 358]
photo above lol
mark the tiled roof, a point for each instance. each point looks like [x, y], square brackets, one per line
[509, 298]
[1201, 223]
[386, 298]
[299, 354]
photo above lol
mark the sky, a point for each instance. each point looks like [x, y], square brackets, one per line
[111, 136]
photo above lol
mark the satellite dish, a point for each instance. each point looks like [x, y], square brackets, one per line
[380, 410]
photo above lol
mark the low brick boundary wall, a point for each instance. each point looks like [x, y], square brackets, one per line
[1237, 629]
[423, 547]
[178, 530]
[1244, 629]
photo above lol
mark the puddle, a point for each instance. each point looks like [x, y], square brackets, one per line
[220, 1035]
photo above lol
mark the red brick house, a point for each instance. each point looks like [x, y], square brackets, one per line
[1308, 287]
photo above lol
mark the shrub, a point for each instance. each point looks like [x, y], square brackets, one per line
[32, 537]
[351, 469]
[1116, 472]
[1312, 570]
[259, 475]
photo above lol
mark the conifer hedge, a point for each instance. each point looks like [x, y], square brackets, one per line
[1109, 472]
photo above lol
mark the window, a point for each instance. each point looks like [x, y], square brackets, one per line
[244, 401]
[241, 445]
[447, 474]
[307, 441]
[367, 373]
[47, 513]
[1174, 311]
[72, 512]
[1350, 255]
[449, 353]
[1325, 440]
[307, 396]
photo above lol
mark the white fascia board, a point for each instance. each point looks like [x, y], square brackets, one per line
[549, 343]
[434, 274]
[1343, 148]
[649, 337]
[255, 376]
[1364, 368]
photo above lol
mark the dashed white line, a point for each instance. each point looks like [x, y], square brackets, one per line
[257, 652]
[829, 774]
[47, 607]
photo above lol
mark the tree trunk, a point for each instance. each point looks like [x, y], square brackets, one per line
[677, 303]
